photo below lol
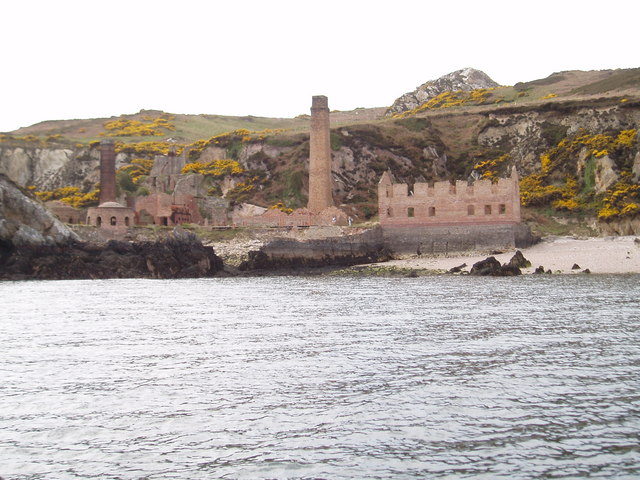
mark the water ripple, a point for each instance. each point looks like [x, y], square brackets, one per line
[321, 378]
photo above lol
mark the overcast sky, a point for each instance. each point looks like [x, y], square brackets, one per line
[92, 58]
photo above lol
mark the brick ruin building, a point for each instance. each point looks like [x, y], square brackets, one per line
[447, 217]
[446, 203]
[109, 214]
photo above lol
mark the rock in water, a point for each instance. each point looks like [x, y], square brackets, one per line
[519, 261]
[457, 269]
[491, 267]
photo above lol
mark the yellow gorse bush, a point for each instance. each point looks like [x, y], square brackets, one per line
[69, 195]
[215, 168]
[148, 148]
[155, 127]
[456, 98]
[490, 168]
[226, 139]
[138, 168]
[622, 199]
[282, 207]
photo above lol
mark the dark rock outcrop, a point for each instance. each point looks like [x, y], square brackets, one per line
[457, 269]
[35, 245]
[169, 258]
[518, 261]
[491, 267]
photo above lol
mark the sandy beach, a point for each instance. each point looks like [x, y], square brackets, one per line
[558, 254]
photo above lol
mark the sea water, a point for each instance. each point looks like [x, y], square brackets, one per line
[321, 377]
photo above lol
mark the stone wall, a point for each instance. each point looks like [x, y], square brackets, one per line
[442, 240]
[287, 253]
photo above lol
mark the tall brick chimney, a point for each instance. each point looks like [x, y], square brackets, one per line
[320, 184]
[107, 172]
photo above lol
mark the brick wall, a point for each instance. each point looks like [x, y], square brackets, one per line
[445, 203]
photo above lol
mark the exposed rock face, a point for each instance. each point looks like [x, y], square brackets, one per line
[526, 135]
[466, 79]
[25, 222]
[50, 168]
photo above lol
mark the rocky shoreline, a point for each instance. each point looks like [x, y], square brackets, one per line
[179, 256]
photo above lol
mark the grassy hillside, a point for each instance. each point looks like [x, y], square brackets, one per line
[438, 140]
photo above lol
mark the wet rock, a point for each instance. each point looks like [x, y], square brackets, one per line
[586, 270]
[519, 261]
[169, 258]
[539, 270]
[575, 267]
[492, 267]
[457, 269]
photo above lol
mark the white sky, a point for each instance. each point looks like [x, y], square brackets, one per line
[97, 58]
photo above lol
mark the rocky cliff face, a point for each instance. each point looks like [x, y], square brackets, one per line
[466, 79]
[24, 222]
[52, 167]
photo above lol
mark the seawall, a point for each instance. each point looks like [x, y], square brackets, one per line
[445, 239]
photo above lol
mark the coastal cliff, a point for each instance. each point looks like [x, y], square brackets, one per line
[571, 136]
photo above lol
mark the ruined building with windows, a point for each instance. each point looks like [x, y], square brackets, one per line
[446, 203]
[450, 217]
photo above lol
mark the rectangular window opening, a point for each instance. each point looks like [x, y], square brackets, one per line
[410, 212]
[432, 211]
[487, 209]
[471, 210]
[503, 209]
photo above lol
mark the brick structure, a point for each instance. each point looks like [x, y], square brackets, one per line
[445, 203]
[449, 217]
[166, 209]
[109, 214]
[66, 213]
[107, 171]
[320, 183]
[320, 209]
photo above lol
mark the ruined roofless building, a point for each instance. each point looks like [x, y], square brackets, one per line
[320, 183]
